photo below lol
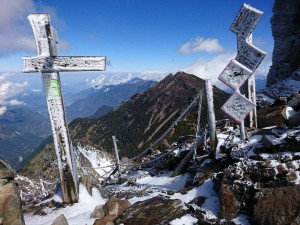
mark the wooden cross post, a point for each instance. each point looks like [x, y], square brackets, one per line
[48, 64]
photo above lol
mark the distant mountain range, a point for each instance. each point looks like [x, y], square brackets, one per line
[111, 95]
[144, 117]
[22, 129]
[139, 121]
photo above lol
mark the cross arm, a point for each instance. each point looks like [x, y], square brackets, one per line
[63, 63]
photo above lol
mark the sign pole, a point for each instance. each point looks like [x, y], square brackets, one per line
[211, 119]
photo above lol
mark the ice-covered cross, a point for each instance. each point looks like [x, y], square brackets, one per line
[48, 64]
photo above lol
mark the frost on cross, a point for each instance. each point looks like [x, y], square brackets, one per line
[48, 64]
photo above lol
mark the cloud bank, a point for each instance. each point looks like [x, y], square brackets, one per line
[8, 92]
[200, 44]
[16, 34]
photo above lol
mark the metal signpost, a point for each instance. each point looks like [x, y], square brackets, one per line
[239, 72]
[48, 64]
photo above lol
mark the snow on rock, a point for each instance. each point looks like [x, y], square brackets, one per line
[97, 158]
[76, 214]
[186, 220]
[289, 112]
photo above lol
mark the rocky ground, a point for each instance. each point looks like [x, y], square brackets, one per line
[252, 181]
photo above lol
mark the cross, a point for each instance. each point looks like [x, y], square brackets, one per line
[48, 64]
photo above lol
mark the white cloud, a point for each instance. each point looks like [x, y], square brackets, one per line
[14, 102]
[200, 44]
[153, 75]
[9, 90]
[16, 34]
[2, 110]
[36, 90]
[211, 69]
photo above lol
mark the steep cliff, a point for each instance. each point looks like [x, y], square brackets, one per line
[286, 32]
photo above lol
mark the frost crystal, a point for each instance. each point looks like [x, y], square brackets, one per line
[237, 107]
[235, 74]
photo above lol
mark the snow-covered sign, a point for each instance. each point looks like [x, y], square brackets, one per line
[241, 69]
[235, 74]
[237, 107]
[243, 26]
[49, 64]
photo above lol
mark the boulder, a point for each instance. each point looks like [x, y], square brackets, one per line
[99, 212]
[6, 172]
[285, 30]
[295, 103]
[229, 205]
[294, 120]
[107, 220]
[270, 141]
[157, 210]
[271, 116]
[10, 205]
[279, 205]
[61, 220]
[116, 206]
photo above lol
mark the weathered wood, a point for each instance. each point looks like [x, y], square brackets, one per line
[188, 157]
[48, 64]
[211, 118]
[63, 64]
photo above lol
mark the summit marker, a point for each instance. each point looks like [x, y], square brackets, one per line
[48, 64]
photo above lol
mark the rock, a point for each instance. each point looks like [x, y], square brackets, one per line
[201, 177]
[86, 181]
[196, 203]
[279, 205]
[295, 103]
[6, 171]
[61, 220]
[183, 191]
[207, 171]
[229, 205]
[282, 170]
[292, 176]
[170, 192]
[157, 210]
[116, 206]
[107, 220]
[270, 142]
[294, 120]
[10, 205]
[99, 212]
[271, 116]
[286, 33]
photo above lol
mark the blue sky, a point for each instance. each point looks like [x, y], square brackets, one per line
[140, 38]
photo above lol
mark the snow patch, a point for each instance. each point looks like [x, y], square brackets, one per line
[76, 214]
